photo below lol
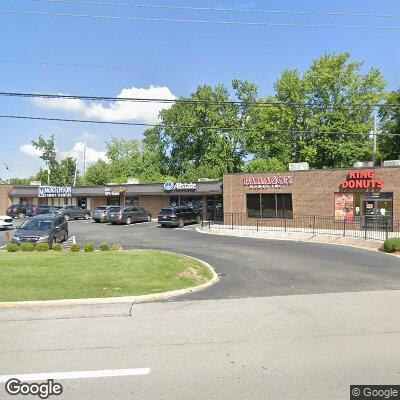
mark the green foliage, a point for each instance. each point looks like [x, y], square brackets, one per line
[27, 246]
[98, 173]
[12, 247]
[88, 247]
[56, 247]
[261, 165]
[104, 246]
[42, 247]
[117, 247]
[75, 248]
[391, 245]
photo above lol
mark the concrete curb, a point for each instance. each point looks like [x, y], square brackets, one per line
[119, 300]
[292, 239]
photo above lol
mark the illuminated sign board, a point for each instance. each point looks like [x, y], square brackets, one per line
[54, 191]
[267, 182]
[362, 180]
[170, 186]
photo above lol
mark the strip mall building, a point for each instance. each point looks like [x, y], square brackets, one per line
[340, 193]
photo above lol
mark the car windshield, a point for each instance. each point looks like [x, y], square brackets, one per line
[167, 211]
[34, 224]
[101, 208]
[114, 209]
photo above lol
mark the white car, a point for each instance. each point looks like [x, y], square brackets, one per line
[5, 222]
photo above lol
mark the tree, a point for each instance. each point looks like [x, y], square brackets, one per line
[329, 87]
[98, 173]
[389, 146]
[204, 133]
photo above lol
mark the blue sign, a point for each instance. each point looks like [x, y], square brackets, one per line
[168, 186]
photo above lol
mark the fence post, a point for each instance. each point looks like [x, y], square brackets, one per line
[387, 230]
[232, 221]
[285, 224]
[313, 225]
[365, 225]
[202, 221]
[257, 223]
[344, 227]
[209, 223]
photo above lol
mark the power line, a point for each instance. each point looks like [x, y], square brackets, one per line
[260, 103]
[219, 9]
[164, 126]
[202, 22]
[131, 67]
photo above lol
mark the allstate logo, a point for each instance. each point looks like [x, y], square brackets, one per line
[168, 186]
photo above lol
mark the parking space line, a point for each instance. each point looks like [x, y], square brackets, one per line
[76, 375]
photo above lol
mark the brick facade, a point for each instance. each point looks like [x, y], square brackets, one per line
[5, 200]
[313, 191]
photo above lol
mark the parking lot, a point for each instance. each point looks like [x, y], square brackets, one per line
[255, 267]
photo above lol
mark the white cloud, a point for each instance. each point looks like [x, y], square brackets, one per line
[87, 137]
[118, 110]
[30, 150]
[92, 155]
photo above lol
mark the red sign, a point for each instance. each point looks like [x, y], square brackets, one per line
[362, 180]
[268, 181]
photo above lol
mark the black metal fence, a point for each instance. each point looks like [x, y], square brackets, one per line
[376, 228]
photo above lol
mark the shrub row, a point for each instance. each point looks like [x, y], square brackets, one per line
[392, 245]
[87, 247]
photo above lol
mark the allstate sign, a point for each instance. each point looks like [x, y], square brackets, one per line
[54, 191]
[170, 186]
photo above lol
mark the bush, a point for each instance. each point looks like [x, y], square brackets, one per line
[391, 245]
[104, 247]
[27, 246]
[117, 247]
[89, 247]
[75, 248]
[42, 247]
[12, 247]
[56, 247]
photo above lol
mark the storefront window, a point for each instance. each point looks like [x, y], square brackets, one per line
[194, 202]
[131, 201]
[81, 202]
[275, 205]
[113, 200]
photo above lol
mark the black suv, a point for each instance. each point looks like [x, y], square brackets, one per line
[74, 212]
[127, 215]
[178, 216]
[40, 209]
[42, 229]
[18, 210]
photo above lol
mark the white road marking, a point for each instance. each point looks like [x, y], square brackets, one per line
[76, 375]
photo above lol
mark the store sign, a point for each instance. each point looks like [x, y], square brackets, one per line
[170, 186]
[362, 180]
[267, 182]
[54, 191]
[113, 192]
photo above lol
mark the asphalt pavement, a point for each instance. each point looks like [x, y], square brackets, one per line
[256, 267]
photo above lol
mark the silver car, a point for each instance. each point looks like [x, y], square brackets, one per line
[100, 214]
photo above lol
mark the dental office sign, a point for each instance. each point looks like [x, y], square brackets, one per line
[267, 182]
[170, 186]
[54, 191]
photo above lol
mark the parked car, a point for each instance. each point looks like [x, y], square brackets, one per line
[17, 210]
[127, 214]
[5, 222]
[44, 228]
[178, 216]
[40, 209]
[73, 212]
[99, 214]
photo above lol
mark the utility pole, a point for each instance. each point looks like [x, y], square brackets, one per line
[48, 173]
[84, 162]
[374, 138]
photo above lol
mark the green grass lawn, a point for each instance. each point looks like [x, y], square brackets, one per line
[66, 275]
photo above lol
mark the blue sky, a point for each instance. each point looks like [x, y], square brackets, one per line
[244, 49]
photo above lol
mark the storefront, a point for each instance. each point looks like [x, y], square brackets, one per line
[152, 197]
[342, 194]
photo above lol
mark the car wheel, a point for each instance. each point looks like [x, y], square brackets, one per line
[128, 221]
[181, 223]
[21, 215]
[67, 217]
[97, 220]
[148, 218]
[65, 238]
[87, 216]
